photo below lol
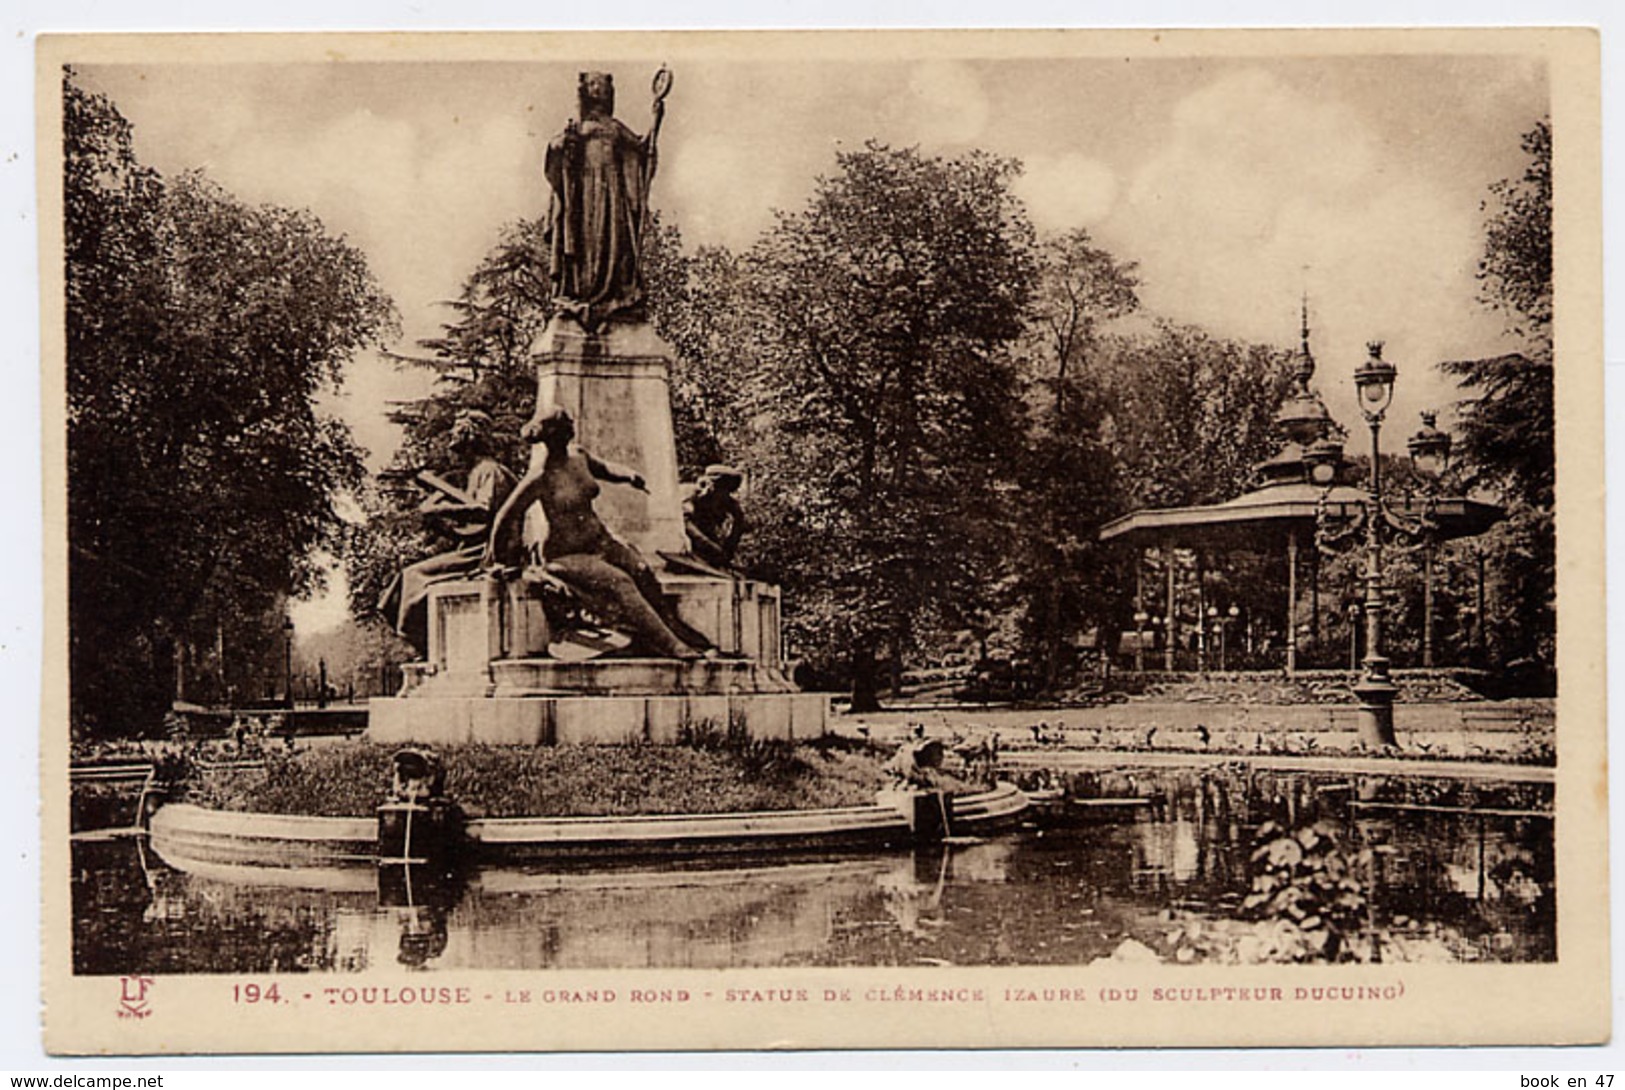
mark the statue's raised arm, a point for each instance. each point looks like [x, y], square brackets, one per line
[660, 88]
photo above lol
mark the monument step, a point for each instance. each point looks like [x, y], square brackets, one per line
[596, 719]
[634, 677]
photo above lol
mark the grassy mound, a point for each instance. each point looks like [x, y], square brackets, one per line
[547, 781]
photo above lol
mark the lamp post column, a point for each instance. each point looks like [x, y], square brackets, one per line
[1427, 602]
[287, 660]
[1375, 691]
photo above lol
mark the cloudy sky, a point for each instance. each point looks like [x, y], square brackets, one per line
[1234, 182]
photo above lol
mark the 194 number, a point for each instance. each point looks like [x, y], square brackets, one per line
[253, 993]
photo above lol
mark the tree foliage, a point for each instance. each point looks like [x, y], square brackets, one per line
[504, 304]
[1165, 416]
[884, 312]
[1192, 414]
[1515, 273]
[1507, 420]
[482, 361]
[200, 333]
[1069, 474]
[700, 306]
[1506, 423]
[938, 414]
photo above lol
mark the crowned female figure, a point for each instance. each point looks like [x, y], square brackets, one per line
[599, 172]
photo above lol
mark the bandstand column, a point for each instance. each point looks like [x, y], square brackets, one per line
[1170, 625]
[1139, 609]
[1292, 599]
[1314, 596]
[1427, 602]
[1201, 612]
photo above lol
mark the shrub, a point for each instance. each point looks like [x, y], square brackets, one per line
[713, 774]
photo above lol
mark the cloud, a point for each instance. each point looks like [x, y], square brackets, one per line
[422, 199]
[1262, 190]
[943, 102]
[1066, 191]
[704, 167]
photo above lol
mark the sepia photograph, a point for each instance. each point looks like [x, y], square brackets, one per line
[868, 539]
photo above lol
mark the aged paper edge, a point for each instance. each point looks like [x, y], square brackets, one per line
[1562, 1003]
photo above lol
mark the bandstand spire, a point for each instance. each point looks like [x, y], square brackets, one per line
[1302, 422]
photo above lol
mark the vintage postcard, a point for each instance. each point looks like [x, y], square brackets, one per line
[822, 540]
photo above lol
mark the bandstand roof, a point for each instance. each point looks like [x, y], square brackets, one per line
[1266, 514]
[1286, 500]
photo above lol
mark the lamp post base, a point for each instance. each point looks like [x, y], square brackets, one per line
[1376, 715]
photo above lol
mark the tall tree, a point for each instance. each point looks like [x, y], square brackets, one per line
[1192, 414]
[482, 358]
[885, 309]
[482, 361]
[1506, 424]
[1507, 420]
[1068, 476]
[200, 333]
[699, 304]
[1515, 273]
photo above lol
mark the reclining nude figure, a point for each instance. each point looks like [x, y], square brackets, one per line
[611, 576]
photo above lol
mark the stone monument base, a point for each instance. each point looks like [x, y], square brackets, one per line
[489, 677]
[633, 677]
[496, 671]
[595, 720]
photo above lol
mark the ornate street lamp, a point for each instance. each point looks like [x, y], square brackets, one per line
[287, 660]
[1430, 447]
[1430, 455]
[1375, 382]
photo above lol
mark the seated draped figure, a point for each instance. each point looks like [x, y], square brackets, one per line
[712, 516]
[463, 514]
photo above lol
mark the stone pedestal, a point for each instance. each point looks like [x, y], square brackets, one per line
[495, 672]
[616, 384]
[490, 677]
[596, 720]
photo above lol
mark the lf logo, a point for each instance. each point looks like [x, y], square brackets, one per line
[133, 997]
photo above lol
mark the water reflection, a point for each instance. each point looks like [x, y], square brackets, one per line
[1069, 892]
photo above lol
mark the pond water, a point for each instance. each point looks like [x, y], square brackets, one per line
[1452, 872]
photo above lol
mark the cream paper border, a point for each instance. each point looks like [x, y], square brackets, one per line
[1562, 1003]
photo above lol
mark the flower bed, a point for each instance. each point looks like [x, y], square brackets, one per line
[513, 781]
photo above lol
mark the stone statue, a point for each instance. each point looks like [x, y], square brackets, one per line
[599, 172]
[610, 576]
[712, 516]
[416, 775]
[911, 765]
[466, 513]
